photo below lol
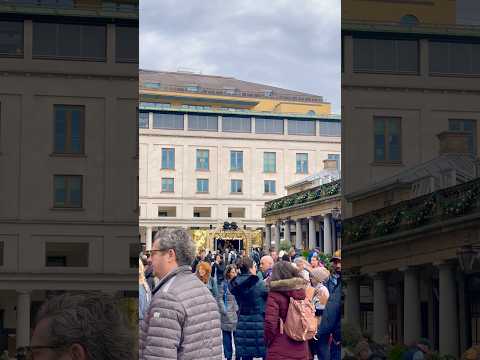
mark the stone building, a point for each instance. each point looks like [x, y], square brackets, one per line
[68, 213]
[213, 149]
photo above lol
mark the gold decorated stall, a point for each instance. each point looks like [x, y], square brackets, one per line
[208, 239]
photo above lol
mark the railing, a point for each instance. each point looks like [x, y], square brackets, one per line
[235, 93]
[432, 208]
[303, 197]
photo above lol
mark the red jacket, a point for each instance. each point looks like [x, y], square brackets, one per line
[280, 346]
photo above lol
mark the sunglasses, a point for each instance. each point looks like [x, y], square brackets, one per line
[28, 352]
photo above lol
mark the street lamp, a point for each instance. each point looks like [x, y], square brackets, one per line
[466, 257]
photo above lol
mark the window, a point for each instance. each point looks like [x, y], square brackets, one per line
[152, 85]
[454, 58]
[169, 121]
[154, 105]
[202, 212]
[126, 44]
[202, 185]
[335, 157]
[268, 126]
[11, 40]
[236, 186]
[269, 186]
[302, 163]
[387, 139]
[203, 159]
[236, 160]
[301, 127]
[468, 126]
[330, 128]
[409, 20]
[143, 120]
[385, 55]
[69, 41]
[202, 122]
[168, 158]
[167, 211]
[196, 107]
[67, 191]
[69, 129]
[239, 124]
[269, 162]
[168, 185]
[66, 254]
[236, 212]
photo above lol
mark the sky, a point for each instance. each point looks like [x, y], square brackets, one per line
[293, 44]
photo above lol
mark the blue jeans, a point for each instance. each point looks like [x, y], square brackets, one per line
[322, 349]
[227, 344]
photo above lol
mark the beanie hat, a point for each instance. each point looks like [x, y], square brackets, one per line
[319, 275]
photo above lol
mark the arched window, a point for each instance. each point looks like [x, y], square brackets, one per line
[409, 20]
[311, 112]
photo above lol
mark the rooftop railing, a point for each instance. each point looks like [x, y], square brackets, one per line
[314, 194]
[436, 207]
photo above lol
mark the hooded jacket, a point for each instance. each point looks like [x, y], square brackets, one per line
[250, 293]
[182, 322]
[280, 346]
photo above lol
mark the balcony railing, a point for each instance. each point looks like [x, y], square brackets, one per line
[441, 205]
[314, 194]
[233, 93]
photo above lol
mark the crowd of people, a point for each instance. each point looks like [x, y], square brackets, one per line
[236, 305]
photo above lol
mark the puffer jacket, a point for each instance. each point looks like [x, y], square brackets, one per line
[182, 322]
[280, 346]
[228, 308]
[250, 293]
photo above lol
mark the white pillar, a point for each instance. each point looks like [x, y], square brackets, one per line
[298, 234]
[148, 238]
[411, 307]
[327, 234]
[286, 231]
[311, 233]
[268, 235]
[448, 311]
[352, 300]
[277, 235]
[23, 318]
[380, 308]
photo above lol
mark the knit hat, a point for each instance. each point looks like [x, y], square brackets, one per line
[319, 275]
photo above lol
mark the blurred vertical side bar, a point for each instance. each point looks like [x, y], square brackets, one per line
[411, 236]
[68, 155]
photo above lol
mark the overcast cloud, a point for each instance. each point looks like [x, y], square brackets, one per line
[294, 44]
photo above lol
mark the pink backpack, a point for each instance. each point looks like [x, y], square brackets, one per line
[300, 323]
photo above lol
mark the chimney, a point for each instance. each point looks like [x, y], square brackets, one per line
[453, 142]
[330, 164]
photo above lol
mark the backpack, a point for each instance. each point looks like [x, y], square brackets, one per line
[300, 323]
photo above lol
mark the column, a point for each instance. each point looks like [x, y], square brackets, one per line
[311, 233]
[380, 308]
[352, 300]
[23, 318]
[411, 307]
[277, 235]
[286, 231]
[327, 234]
[148, 238]
[268, 235]
[298, 234]
[448, 310]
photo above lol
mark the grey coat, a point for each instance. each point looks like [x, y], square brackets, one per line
[228, 307]
[182, 322]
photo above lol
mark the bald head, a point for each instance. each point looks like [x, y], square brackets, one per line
[266, 263]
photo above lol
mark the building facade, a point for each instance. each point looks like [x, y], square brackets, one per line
[309, 215]
[68, 99]
[410, 91]
[213, 149]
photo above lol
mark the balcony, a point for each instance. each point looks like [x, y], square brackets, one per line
[302, 198]
[431, 209]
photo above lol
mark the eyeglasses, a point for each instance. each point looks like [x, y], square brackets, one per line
[27, 352]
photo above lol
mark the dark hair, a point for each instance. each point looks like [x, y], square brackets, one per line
[272, 249]
[285, 257]
[90, 319]
[229, 269]
[245, 264]
[284, 270]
